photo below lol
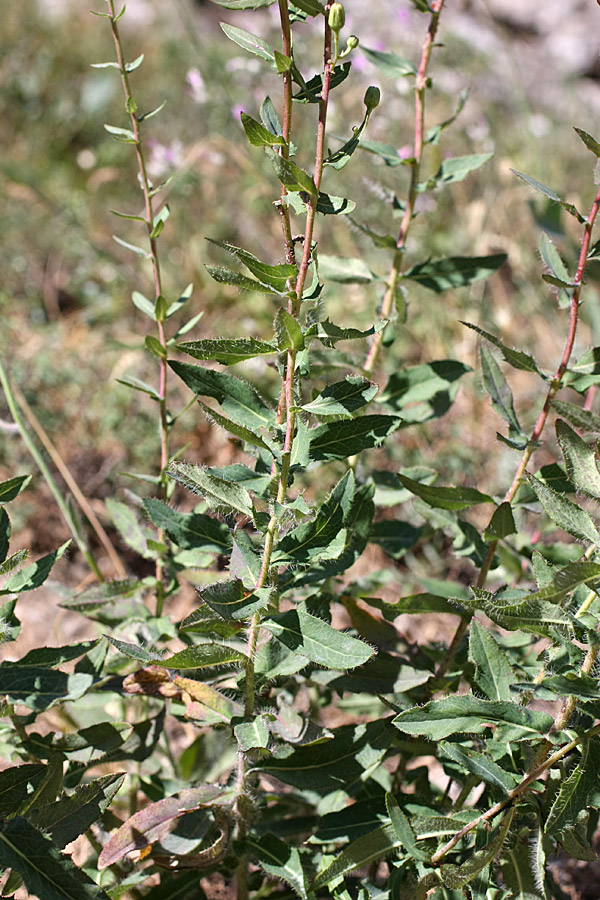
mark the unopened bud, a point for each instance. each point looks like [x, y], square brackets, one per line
[337, 17]
[372, 97]
[352, 42]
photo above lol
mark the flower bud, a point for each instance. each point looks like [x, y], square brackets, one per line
[372, 97]
[352, 43]
[337, 17]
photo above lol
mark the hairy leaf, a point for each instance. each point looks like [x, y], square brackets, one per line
[227, 352]
[466, 714]
[221, 495]
[455, 271]
[279, 860]
[317, 641]
[493, 671]
[564, 513]
[338, 440]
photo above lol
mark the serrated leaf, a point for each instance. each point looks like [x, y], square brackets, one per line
[564, 513]
[345, 270]
[221, 495]
[580, 461]
[390, 64]
[480, 765]
[71, 815]
[237, 398]
[230, 600]
[343, 398]
[317, 641]
[223, 275]
[500, 393]
[155, 820]
[288, 333]
[515, 358]
[456, 877]
[31, 577]
[46, 872]
[584, 419]
[501, 524]
[550, 194]
[250, 42]
[190, 531]
[494, 674]
[234, 428]
[202, 656]
[292, 176]
[576, 791]
[227, 352]
[13, 561]
[452, 498]
[424, 392]
[11, 489]
[455, 271]
[277, 278]
[279, 860]
[339, 440]
[466, 714]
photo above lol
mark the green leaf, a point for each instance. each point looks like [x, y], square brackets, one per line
[237, 398]
[455, 877]
[135, 651]
[202, 656]
[500, 393]
[13, 561]
[190, 531]
[456, 168]
[223, 275]
[137, 385]
[577, 790]
[291, 175]
[222, 496]
[338, 440]
[258, 135]
[40, 688]
[154, 821]
[564, 513]
[481, 766]
[515, 358]
[424, 392]
[389, 154]
[317, 641]
[234, 428]
[501, 524]
[225, 351]
[494, 674]
[343, 398]
[46, 872]
[403, 829]
[155, 347]
[455, 271]
[466, 714]
[319, 539]
[125, 135]
[288, 333]
[345, 270]
[126, 523]
[452, 498]
[278, 860]
[31, 577]
[243, 4]
[276, 278]
[551, 258]
[368, 848]
[390, 64]
[550, 194]
[50, 657]
[329, 334]
[269, 116]
[590, 142]
[17, 784]
[71, 815]
[230, 600]
[580, 461]
[11, 489]
[252, 735]
[565, 581]
[328, 205]
[250, 42]
[584, 419]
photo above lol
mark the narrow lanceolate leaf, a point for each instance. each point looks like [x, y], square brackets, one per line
[564, 513]
[390, 64]
[227, 352]
[288, 333]
[590, 142]
[541, 617]
[452, 498]
[237, 398]
[155, 820]
[46, 872]
[72, 815]
[424, 392]
[223, 275]
[494, 674]
[576, 791]
[222, 496]
[480, 765]
[345, 270]
[234, 428]
[50, 657]
[338, 440]
[455, 271]
[31, 577]
[250, 42]
[291, 175]
[135, 651]
[317, 641]
[466, 714]
[190, 531]
[501, 524]
[584, 419]
[456, 877]
[13, 487]
[243, 4]
[343, 398]
[457, 168]
[13, 561]
[230, 600]
[279, 860]
[39, 688]
[580, 461]
[258, 135]
[202, 656]
[515, 358]
[366, 849]
[500, 393]
[550, 194]
[403, 829]
[277, 278]
[312, 541]
[551, 258]
[127, 524]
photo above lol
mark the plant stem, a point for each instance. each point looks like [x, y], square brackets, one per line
[536, 434]
[149, 219]
[389, 297]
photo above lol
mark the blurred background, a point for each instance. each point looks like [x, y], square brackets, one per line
[69, 328]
